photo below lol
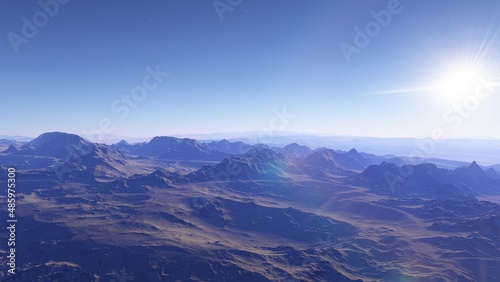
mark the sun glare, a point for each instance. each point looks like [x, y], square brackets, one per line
[456, 83]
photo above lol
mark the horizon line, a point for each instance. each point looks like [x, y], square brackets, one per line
[242, 134]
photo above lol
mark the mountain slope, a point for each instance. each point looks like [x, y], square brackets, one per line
[295, 151]
[176, 148]
[426, 179]
[231, 148]
[70, 156]
[257, 164]
[329, 163]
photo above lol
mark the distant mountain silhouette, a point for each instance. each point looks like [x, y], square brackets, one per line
[327, 162]
[492, 173]
[426, 179]
[258, 164]
[295, 151]
[59, 145]
[11, 150]
[4, 144]
[71, 154]
[173, 148]
[127, 148]
[232, 148]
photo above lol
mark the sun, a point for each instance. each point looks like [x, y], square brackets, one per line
[458, 82]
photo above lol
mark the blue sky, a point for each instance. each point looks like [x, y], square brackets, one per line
[232, 73]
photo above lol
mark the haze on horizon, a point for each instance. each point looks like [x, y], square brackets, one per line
[357, 68]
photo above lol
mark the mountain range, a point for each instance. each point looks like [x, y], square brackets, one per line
[178, 209]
